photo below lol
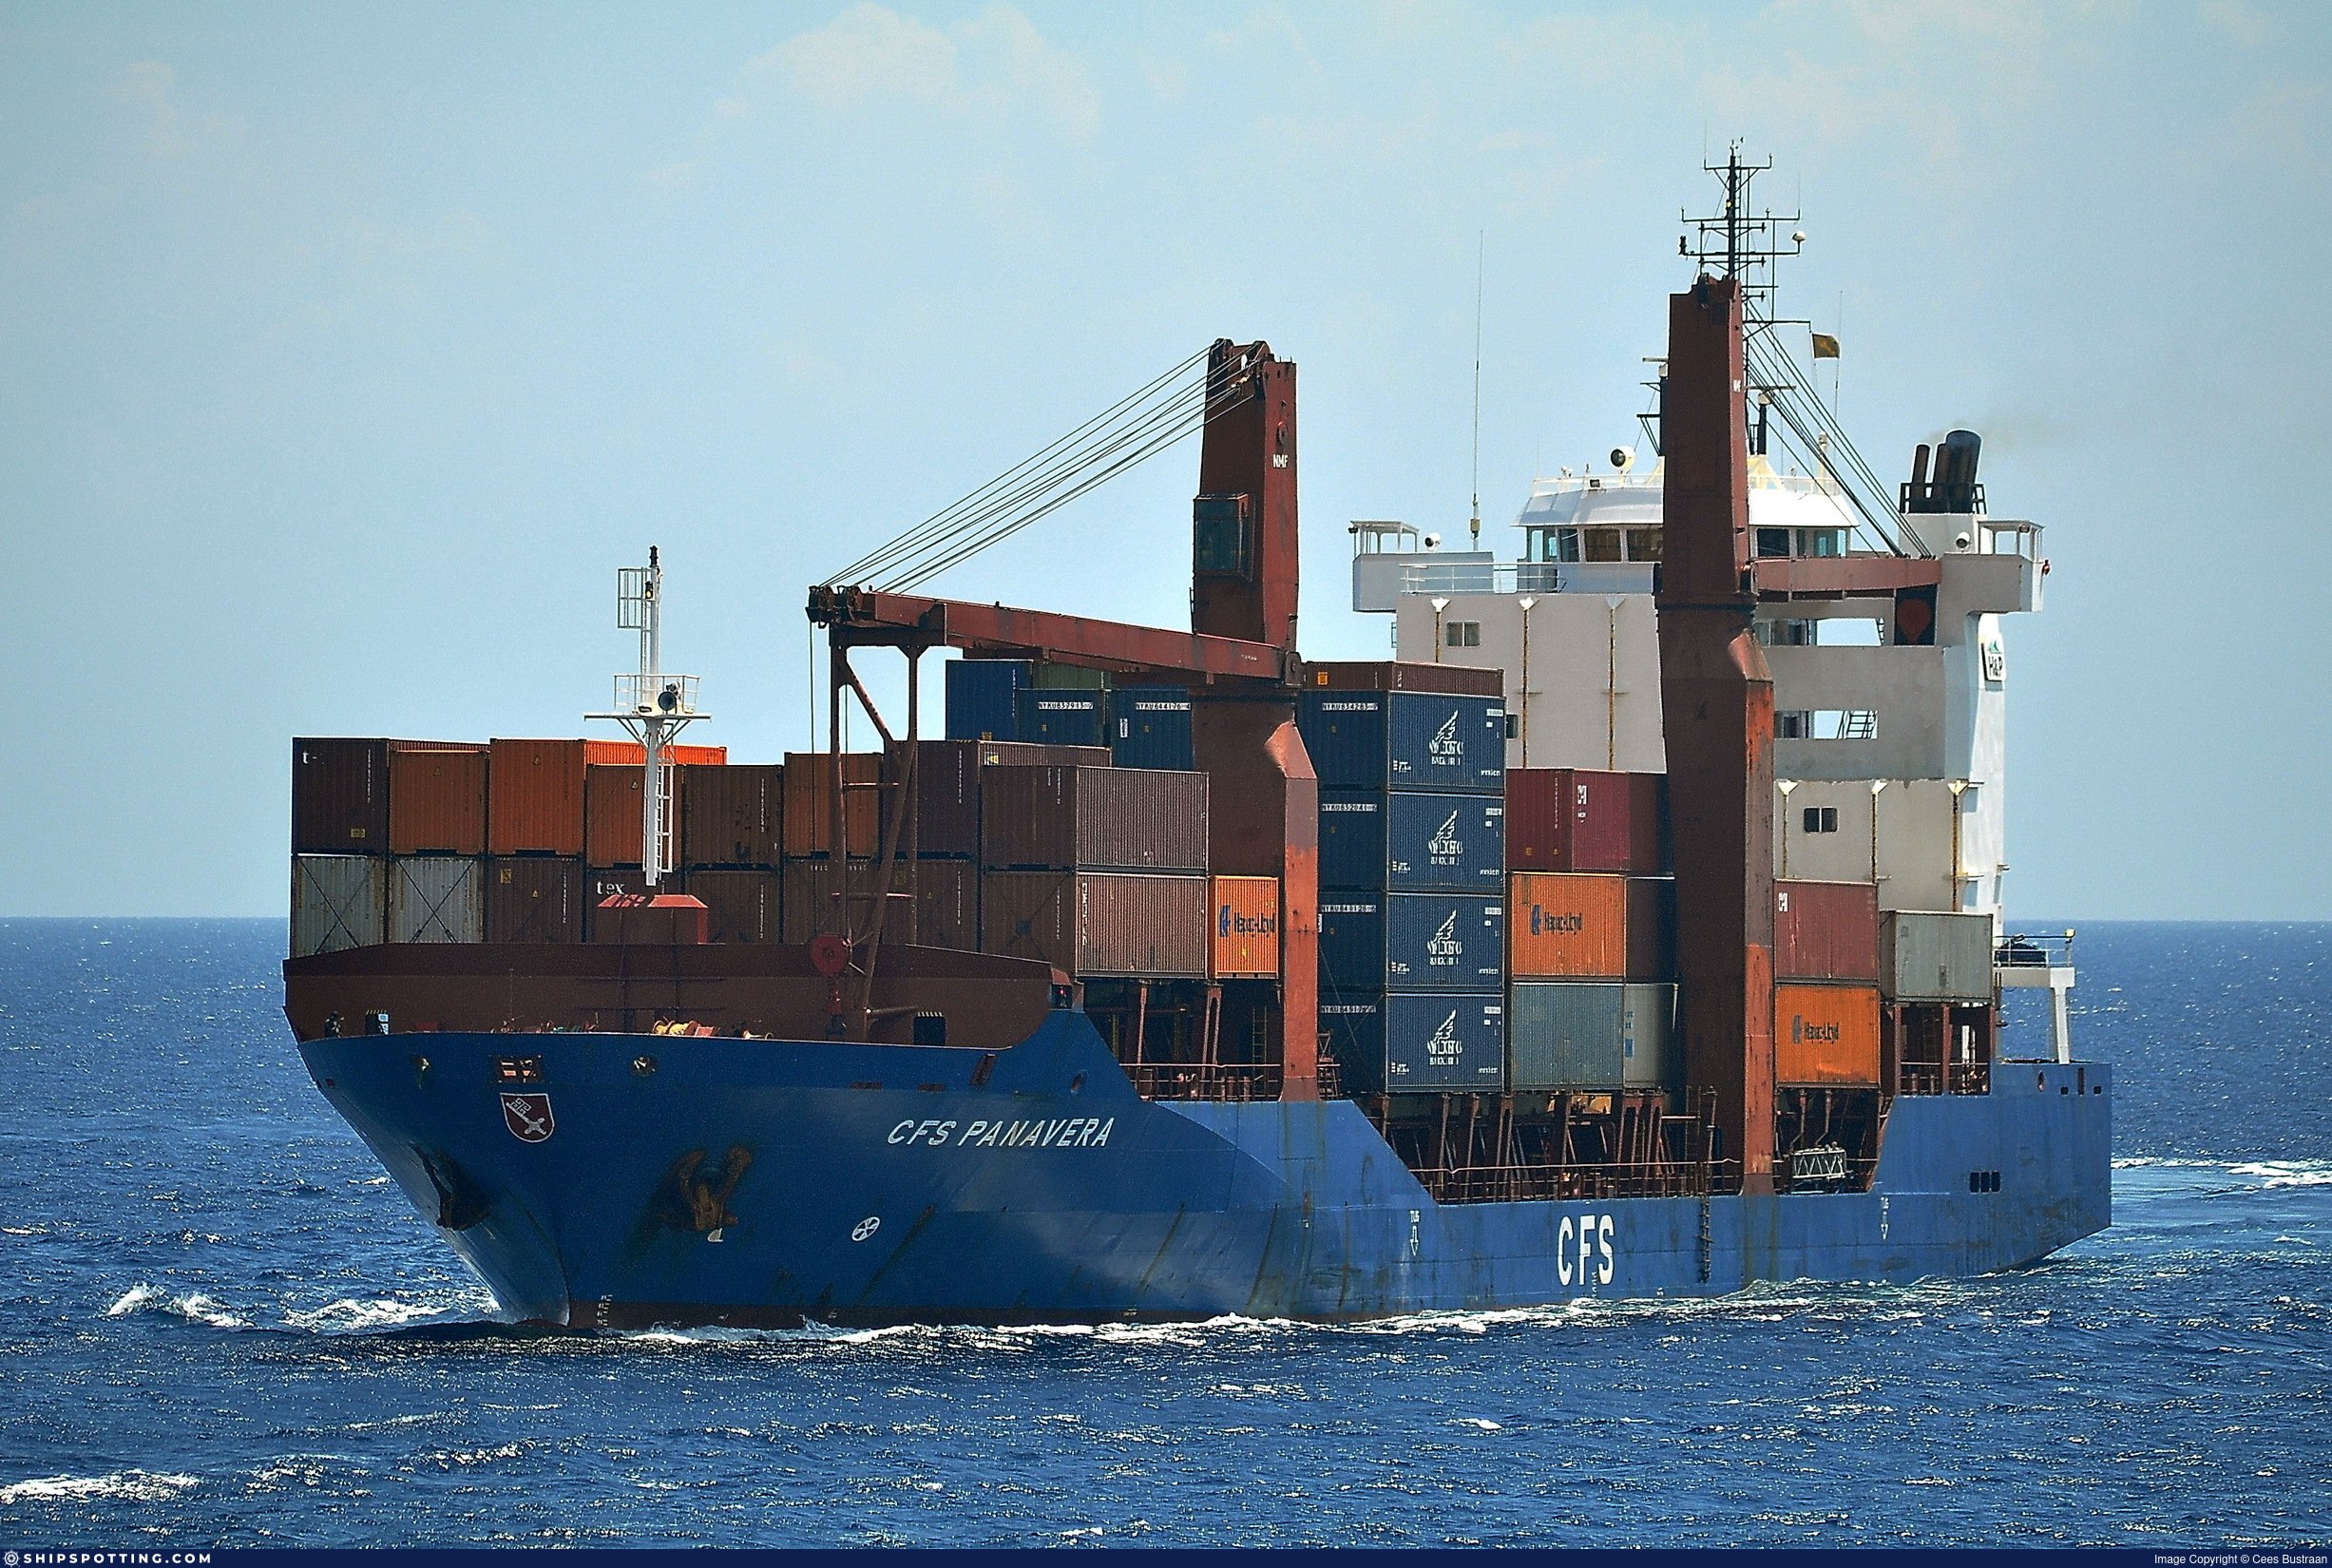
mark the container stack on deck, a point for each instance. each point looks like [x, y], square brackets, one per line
[406, 841]
[1013, 700]
[1593, 931]
[1412, 871]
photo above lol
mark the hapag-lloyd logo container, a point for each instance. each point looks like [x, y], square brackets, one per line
[1801, 1031]
[1230, 922]
[1568, 923]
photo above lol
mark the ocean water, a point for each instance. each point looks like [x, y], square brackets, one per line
[221, 1325]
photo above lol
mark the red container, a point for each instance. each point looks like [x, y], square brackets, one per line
[1098, 922]
[947, 773]
[339, 797]
[733, 814]
[533, 898]
[741, 906]
[1826, 930]
[635, 918]
[1577, 819]
[436, 798]
[1061, 818]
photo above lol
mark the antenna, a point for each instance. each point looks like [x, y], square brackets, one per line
[653, 707]
[1480, 247]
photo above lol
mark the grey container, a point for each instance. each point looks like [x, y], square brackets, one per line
[1935, 957]
[436, 898]
[338, 901]
[1598, 1037]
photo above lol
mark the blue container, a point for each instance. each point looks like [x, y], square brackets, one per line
[1398, 842]
[1149, 727]
[1404, 740]
[1062, 716]
[1417, 1043]
[984, 697]
[1412, 942]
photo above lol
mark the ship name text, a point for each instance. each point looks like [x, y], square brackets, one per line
[1089, 1132]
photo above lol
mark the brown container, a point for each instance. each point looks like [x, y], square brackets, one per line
[732, 816]
[948, 904]
[636, 918]
[534, 898]
[808, 902]
[1579, 819]
[535, 797]
[741, 906]
[809, 803]
[1243, 927]
[1450, 679]
[339, 797]
[1825, 1035]
[947, 803]
[1826, 930]
[436, 798]
[1098, 922]
[1589, 926]
[1059, 818]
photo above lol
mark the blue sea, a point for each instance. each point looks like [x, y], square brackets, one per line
[220, 1324]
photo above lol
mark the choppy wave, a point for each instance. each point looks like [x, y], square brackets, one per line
[2265, 1173]
[121, 1485]
[346, 1316]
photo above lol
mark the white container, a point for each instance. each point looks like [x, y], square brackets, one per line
[338, 901]
[1926, 957]
[436, 898]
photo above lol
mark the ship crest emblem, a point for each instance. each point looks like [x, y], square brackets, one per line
[529, 1117]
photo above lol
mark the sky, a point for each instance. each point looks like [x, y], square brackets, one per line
[346, 353]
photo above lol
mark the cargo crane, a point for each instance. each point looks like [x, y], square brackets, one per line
[1239, 658]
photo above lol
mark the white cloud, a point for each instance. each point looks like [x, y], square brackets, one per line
[996, 63]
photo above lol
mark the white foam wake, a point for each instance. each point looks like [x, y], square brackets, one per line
[121, 1485]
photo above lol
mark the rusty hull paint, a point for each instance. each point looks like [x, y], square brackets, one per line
[1718, 694]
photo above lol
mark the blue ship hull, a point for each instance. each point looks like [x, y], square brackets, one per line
[752, 1182]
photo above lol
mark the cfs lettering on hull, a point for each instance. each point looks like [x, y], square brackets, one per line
[1583, 1250]
[1059, 1132]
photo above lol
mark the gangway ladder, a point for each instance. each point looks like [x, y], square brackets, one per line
[654, 707]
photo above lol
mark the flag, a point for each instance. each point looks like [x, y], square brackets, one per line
[1825, 347]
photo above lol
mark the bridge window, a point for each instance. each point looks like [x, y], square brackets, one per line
[1771, 542]
[1558, 544]
[1822, 819]
[1603, 544]
[1463, 634]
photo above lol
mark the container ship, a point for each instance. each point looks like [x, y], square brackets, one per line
[1635, 930]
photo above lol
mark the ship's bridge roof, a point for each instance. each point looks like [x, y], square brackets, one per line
[1632, 499]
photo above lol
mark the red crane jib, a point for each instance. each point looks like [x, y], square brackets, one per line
[869, 617]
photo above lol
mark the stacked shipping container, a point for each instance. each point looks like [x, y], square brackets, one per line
[1412, 864]
[1097, 870]
[1825, 996]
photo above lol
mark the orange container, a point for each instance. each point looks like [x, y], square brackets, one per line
[436, 798]
[614, 752]
[1825, 1035]
[1589, 926]
[808, 798]
[1244, 922]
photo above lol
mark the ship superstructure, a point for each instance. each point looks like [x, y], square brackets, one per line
[1600, 944]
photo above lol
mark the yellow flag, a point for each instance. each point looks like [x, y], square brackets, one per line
[1825, 347]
